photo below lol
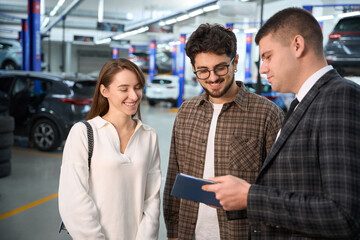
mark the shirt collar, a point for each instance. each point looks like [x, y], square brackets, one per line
[99, 122]
[310, 82]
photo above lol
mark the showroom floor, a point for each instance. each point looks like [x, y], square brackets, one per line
[28, 197]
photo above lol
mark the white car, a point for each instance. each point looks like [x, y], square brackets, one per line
[166, 88]
[10, 54]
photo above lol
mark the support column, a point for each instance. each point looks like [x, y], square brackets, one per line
[181, 69]
[68, 57]
[25, 42]
[152, 60]
[34, 33]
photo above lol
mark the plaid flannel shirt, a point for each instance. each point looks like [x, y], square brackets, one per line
[245, 132]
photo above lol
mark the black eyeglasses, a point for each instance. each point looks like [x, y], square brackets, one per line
[220, 70]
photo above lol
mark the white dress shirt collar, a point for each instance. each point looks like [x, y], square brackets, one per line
[309, 83]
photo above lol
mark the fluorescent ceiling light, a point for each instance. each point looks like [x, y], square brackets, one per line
[251, 30]
[56, 8]
[349, 14]
[170, 21]
[129, 16]
[323, 18]
[45, 22]
[130, 33]
[103, 41]
[196, 12]
[182, 18]
[211, 8]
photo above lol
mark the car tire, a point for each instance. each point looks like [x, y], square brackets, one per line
[7, 124]
[6, 140]
[45, 135]
[151, 102]
[5, 155]
[9, 65]
[5, 169]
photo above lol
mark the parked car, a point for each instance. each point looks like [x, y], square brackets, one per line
[283, 100]
[342, 50]
[45, 106]
[163, 61]
[166, 88]
[10, 54]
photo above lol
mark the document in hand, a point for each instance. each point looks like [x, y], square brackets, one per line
[189, 187]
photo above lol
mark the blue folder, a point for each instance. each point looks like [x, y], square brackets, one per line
[189, 187]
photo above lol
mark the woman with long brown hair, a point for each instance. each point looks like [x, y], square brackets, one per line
[119, 196]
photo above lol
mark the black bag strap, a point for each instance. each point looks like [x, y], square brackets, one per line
[90, 135]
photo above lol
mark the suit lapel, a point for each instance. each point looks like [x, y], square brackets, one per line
[295, 117]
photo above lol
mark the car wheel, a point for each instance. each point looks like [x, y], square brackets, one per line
[152, 102]
[10, 66]
[45, 135]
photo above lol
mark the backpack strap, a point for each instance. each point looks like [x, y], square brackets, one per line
[90, 135]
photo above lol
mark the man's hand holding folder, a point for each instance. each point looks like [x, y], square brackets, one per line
[189, 187]
[230, 191]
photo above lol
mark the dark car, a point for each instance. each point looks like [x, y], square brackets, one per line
[163, 61]
[45, 106]
[342, 50]
[282, 100]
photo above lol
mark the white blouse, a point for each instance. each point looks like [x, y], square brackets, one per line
[120, 197]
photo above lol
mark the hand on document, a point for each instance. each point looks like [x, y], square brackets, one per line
[231, 191]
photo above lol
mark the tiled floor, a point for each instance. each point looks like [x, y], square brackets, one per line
[28, 197]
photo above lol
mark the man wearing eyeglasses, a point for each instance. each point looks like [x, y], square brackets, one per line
[225, 131]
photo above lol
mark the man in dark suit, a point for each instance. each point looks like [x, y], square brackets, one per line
[309, 184]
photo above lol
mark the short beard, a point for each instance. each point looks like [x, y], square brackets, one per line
[222, 93]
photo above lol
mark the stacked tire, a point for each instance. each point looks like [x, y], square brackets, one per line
[7, 126]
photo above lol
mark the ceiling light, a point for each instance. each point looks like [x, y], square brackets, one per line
[170, 21]
[162, 23]
[349, 14]
[45, 22]
[130, 33]
[129, 16]
[56, 8]
[323, 18]
[182, 18]
[196, 12]
[211, 8]
[103, 41]
[251, 30]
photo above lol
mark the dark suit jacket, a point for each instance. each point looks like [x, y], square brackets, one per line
[309, 185]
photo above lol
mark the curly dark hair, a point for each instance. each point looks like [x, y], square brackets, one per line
[288, 23]
[212, 38]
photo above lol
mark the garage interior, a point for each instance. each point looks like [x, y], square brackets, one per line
[76, 38]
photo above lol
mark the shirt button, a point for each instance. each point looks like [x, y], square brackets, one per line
[201, 161]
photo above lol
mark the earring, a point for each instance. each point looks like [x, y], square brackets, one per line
[235, 70]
